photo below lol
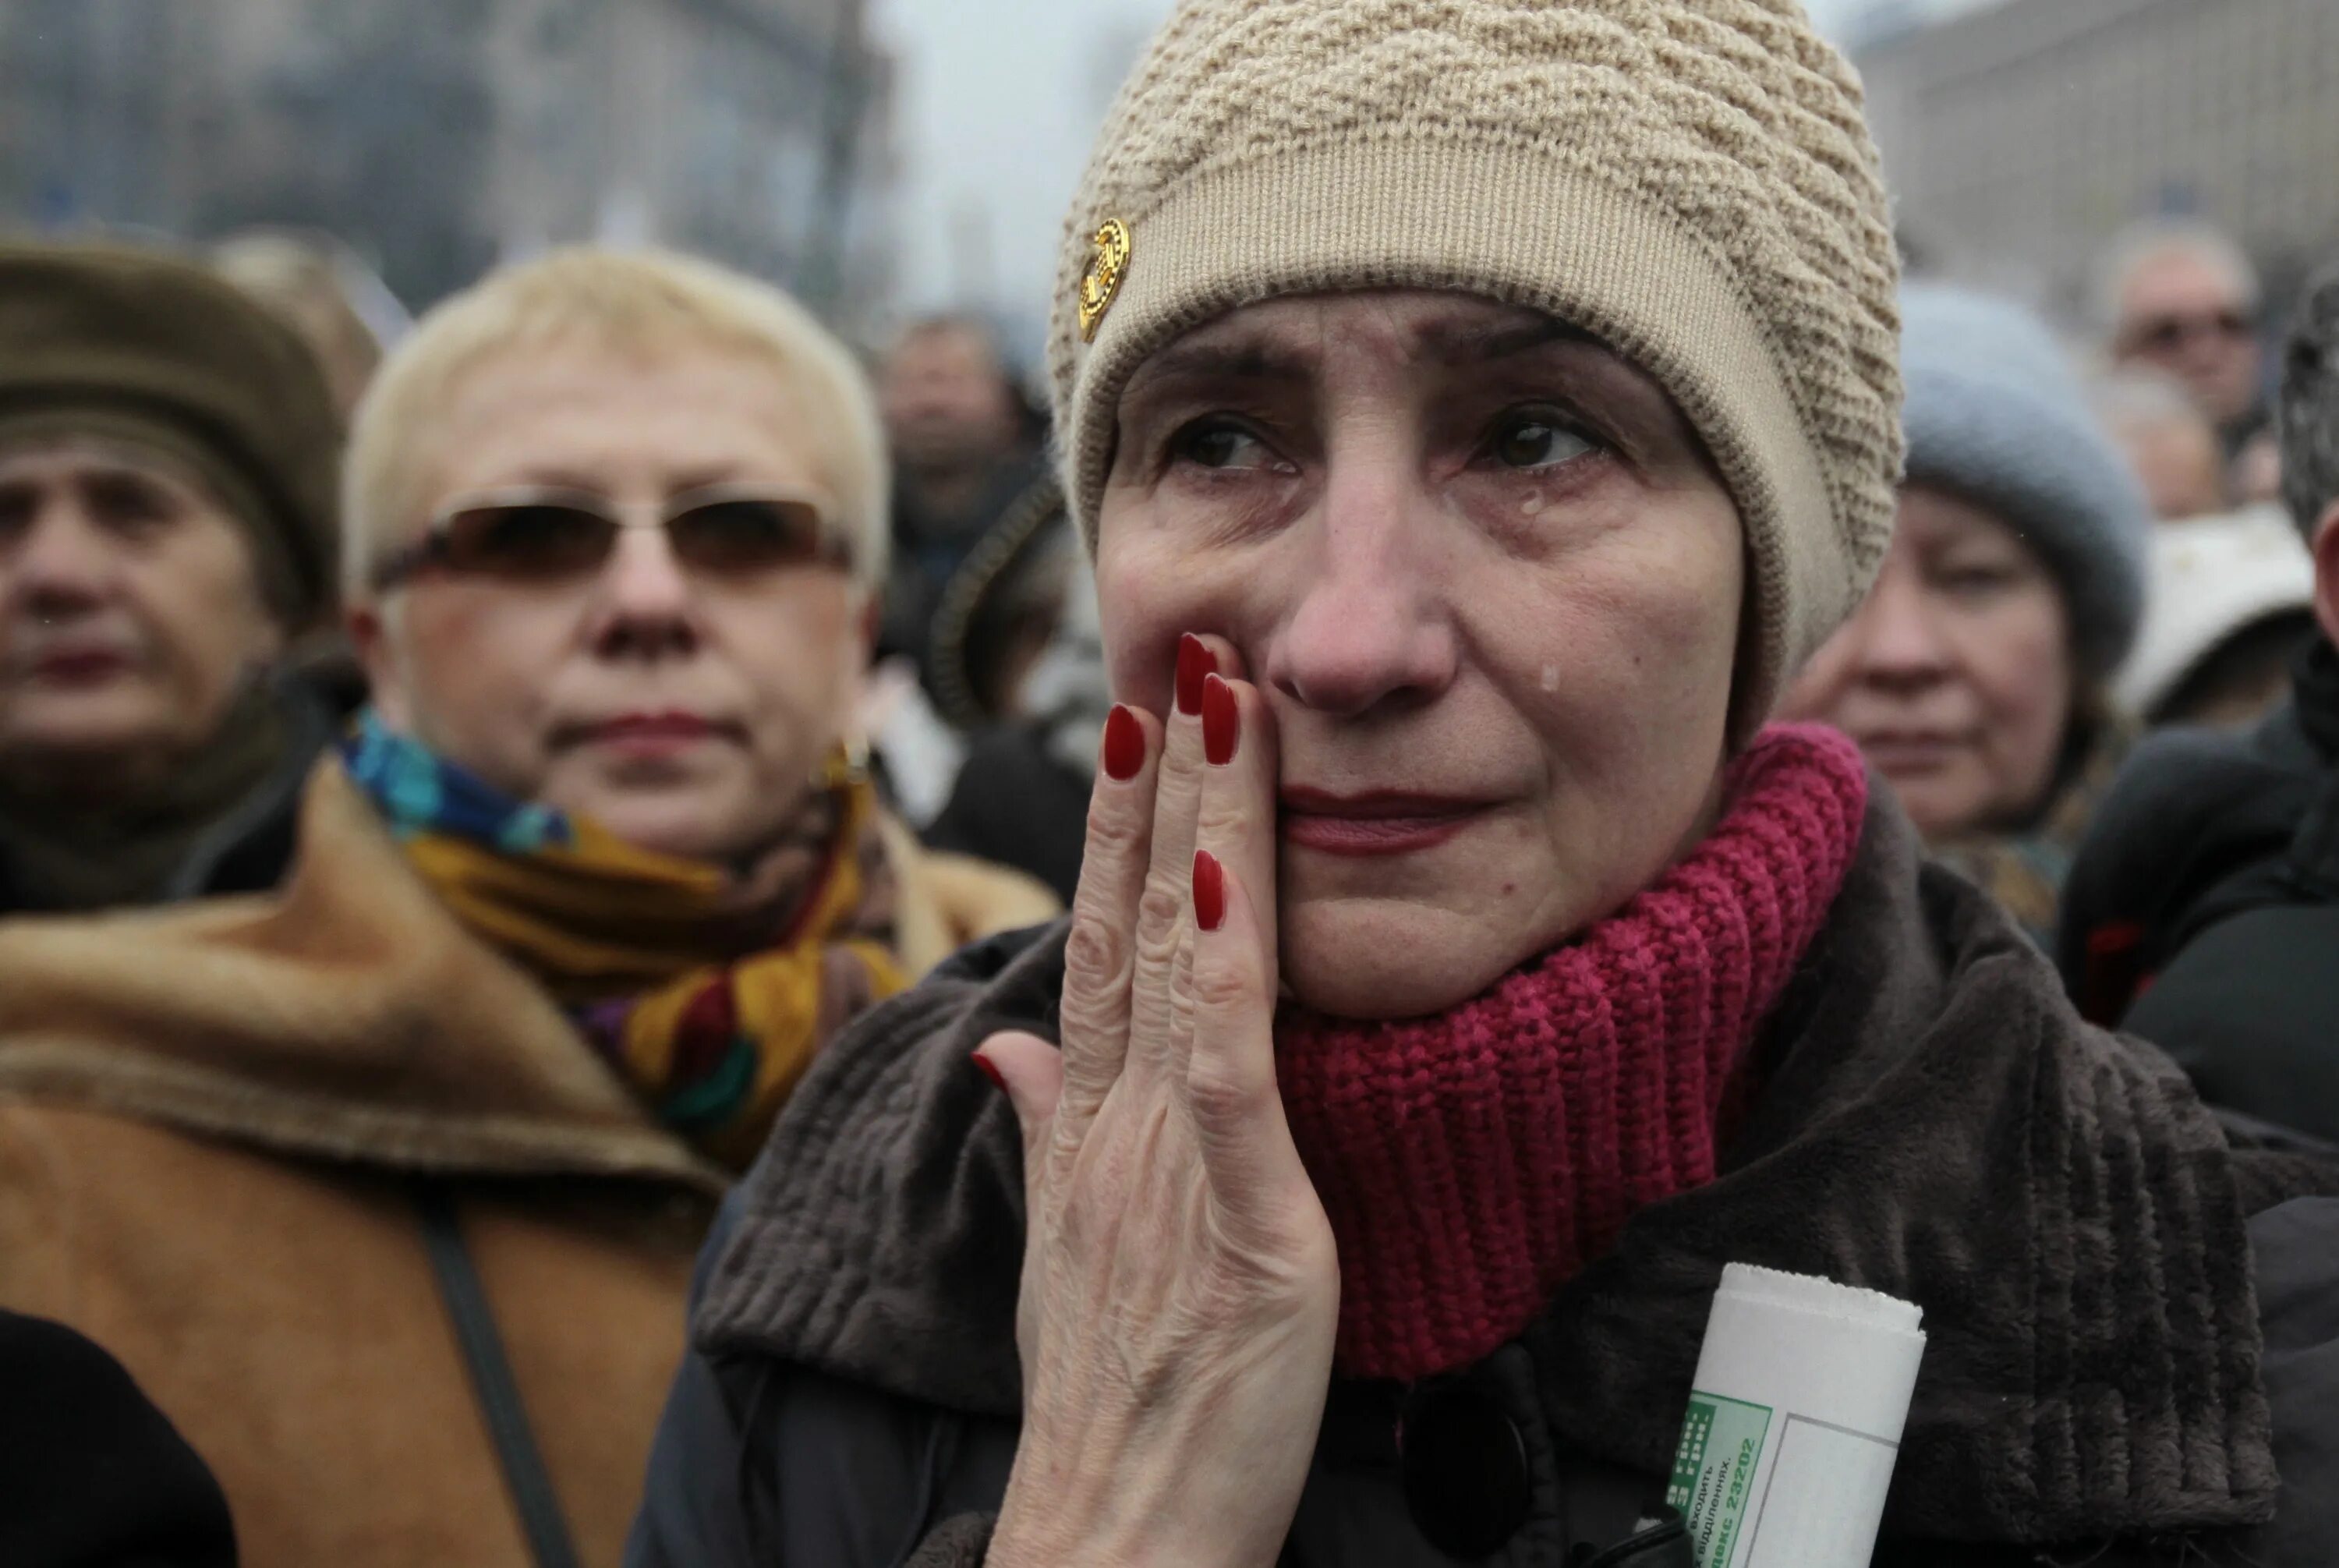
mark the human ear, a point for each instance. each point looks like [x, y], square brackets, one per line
[369, 637]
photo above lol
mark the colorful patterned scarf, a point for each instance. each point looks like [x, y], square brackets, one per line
[709, 990]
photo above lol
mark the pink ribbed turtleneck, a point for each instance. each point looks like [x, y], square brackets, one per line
[1471, 1162]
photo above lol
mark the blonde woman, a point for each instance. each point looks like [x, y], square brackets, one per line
[386, 1189]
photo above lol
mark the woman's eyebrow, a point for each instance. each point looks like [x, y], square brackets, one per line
[1453, 342]
[1446, 342]
[554, 477]
[1237, 361]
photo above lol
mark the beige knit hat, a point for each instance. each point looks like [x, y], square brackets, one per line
[1689, 179]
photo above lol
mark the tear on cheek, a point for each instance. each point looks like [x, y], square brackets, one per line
[1551, 677]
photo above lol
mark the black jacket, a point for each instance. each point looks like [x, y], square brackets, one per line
[2204, 910]
[91, 1475]
[2118, 1352]
[1016, 804]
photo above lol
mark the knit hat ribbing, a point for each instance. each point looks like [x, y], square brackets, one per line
[1996, 414]
[1689, 179]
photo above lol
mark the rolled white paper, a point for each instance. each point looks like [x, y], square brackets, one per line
[1794, 1421]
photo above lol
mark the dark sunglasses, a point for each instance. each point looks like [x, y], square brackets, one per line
[2166, 334]
[538, 535]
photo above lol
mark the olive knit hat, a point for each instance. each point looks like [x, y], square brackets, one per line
[138, 345]
[1690, 181]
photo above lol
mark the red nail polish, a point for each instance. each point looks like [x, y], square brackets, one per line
[1221, 722]
[1196, 663]
[1124, 744]
[1209, 891]
[983, 1063]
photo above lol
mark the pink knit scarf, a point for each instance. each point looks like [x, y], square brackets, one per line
[1471, 1162]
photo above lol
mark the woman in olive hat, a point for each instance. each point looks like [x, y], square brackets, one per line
[167, 455]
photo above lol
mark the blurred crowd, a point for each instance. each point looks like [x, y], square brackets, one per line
[459, 775]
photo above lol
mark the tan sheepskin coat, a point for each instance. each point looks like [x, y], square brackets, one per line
[211, 1125]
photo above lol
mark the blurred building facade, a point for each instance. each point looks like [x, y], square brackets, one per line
[439, 136]
[2020, 138]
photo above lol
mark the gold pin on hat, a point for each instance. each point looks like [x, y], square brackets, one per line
[1108, 264]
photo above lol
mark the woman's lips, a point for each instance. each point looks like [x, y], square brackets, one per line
[79, 667]
[1905, 752]
[649, 734]
[1381, 822]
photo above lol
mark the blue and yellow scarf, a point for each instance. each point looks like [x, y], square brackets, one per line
[710, 989]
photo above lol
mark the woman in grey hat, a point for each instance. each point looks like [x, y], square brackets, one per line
[1976, 675]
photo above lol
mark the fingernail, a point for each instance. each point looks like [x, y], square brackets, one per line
[1209, 891]
[1196, 663]
[1124, 744]
[989, 1071]
[1221, 722]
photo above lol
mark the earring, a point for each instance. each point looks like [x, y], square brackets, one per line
[846, 767]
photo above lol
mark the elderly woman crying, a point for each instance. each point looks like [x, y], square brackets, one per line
[1479, 411]
[577, 904]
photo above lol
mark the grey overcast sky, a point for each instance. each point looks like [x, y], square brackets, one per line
[998, 99]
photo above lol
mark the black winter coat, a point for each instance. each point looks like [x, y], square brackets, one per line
[2132, 1320]
[91, 1475]
[2203, 912]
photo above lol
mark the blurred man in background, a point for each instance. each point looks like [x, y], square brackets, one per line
[168, 452]
[2231, 593]
[2204, 912]
[981, 556]
[2180, 297]
[965, 450]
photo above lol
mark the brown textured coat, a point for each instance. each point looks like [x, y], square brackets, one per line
[211, 1123]
[2132, 1307]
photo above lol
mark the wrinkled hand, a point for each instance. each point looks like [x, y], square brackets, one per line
[1179, 1284]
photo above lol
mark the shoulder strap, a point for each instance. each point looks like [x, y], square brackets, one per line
[492, 1382]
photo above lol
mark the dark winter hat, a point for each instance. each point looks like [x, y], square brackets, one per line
[1996, 414]
[141, 346]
